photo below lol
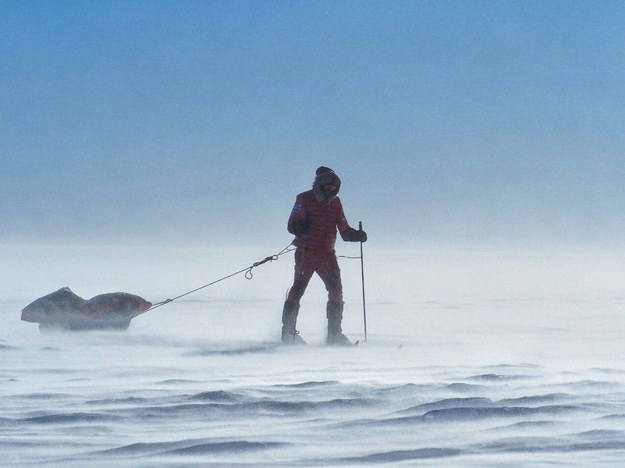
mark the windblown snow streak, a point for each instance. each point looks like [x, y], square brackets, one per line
[442, 381]
[278, 406]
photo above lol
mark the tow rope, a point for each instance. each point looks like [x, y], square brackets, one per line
[248, 275]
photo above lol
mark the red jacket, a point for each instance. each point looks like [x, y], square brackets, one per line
[324, 218]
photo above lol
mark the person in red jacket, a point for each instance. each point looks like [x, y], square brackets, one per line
[316, 216]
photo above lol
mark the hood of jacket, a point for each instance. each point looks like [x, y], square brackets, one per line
[325, 175]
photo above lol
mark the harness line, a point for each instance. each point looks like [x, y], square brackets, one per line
[248, 275]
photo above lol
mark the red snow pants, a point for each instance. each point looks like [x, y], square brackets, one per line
[325, 265]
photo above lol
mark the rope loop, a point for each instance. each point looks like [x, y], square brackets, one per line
[271, 258]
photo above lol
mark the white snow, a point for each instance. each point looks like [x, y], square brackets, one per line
[474, 358]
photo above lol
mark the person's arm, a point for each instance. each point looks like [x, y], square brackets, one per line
[348, 233]
[299, 222]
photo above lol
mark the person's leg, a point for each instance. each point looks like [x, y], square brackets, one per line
[304, 269]
[330, 273]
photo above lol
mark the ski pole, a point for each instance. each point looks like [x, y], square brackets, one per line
[362, 272]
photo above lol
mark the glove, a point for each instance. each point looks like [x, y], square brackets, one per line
[352, 235]
[301, 227]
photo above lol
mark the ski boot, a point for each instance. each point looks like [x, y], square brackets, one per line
[334, 312]
[290, 335]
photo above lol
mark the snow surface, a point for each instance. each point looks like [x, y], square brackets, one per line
[474, 358]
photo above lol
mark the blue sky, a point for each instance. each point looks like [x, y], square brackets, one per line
[198, 122]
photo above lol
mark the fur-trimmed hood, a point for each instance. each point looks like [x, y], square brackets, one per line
[325, 175]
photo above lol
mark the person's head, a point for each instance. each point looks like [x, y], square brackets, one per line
[329, 188]
[326, 185]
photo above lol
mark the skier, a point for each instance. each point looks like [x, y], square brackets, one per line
[314, 220]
